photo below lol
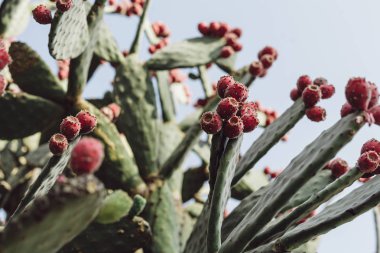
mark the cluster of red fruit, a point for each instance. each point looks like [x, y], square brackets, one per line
[111, 111]
[311, 92]
[233, 115]
[134, 7]
[272, 174]
[42, 14]
[362, 96]
[84, 122]
[5, 59]
[369, 160]
[221, 29]
[161, 30]
[266, 57]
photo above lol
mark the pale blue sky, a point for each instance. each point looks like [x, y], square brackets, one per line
[335, 39]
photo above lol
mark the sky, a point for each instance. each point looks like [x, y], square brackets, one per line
[336, 39]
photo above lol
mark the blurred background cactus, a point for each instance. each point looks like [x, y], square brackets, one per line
[125, 187]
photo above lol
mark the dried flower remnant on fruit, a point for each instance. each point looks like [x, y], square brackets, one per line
[311, 95]
[233, 127]
[211, 122]
[70, 127]
[368, 162]
[58, 144]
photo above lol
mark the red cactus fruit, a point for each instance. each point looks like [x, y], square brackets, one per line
[263, 73]
[203, 28]
[238, 91]
[64, 5]
[5, 58]
[267, 60]
[248, 108]
[87, 120]
[374, 95]
[87, 156]
[250, 122]
[267, 170]
[368, 161]
[237, 47]
[3, 85]
[320, 81]
[295, 94]
[358, 93]
[327, 90]
[58, 144]
[116, 110]
[303, 82]
[375, 111]
[227, 107]
[316, 113]
[223, 29]
[338, 167]
[371, 145]
[223, 83]
[346, 109]
[311, 95]
[214, 28]
[268, 50]
[226, 52]
[237, 31]
[233, 128]
[42, 15]
[256, 68]
[211, 122]
[70, 127]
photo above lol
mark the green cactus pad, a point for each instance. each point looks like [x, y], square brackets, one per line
[47, 178]
[32, 74]
[124, 173]
[14, 17]
[188, 53]
[39, 157]
[115, 206]
[137, 207]
[125, 236]
[23, 115]
[162, 217]
[344, 210]
[193, 180]
[69, 34]
[134, 92]
[251, 182]
[106, 47]
[296, 174]
[170, 137]
[227, 64]
[272, 134]
[166, 98]
[54, 219]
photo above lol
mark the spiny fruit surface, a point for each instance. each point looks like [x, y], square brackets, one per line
[375, 111]
[223, 83]
[227, 107]
[238, 91]
[316, 113]
[327, 90]
[358, 93]
[295, 94]
[371, 145]
[87, 156]
[87, 120]
[70, 127]
[42, 15]
[256, 68]
[374, 95]
[368, 161]
[311, 95]
[58, 144]
[303, 82]
[247, 108]
[233, 127]
[250, 122]
[338, 167]
[211, 122]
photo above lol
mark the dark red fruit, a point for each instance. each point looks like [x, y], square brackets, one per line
[42, 15]
[375, 111]
[268, 50]
[256, 68]
[295, 94]
[211, 122]
[226, 52]
[87, 156]
[327, 90]
[374, 95]
[346, 109]
[311, 95]
[267, 60]
[203, 28]
[227, 107]
[248, 108]
[316, 113]
[371, 145]
[64, 5]
[320, 81]
[87, 120]
[233, 128]
[238, 91]
[70, 127]
[5, 58]
[358, 93]
[303, 82]
[250, 122]
[58, 144]
[368, 162]
[338, 167]
[223, 83]
[237, 31]
[223, 29]
[267, 170]
[214, 28]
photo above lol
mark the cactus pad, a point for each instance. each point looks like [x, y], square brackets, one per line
[14, 17]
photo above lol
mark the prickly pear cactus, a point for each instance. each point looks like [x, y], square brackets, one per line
[125, 187]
